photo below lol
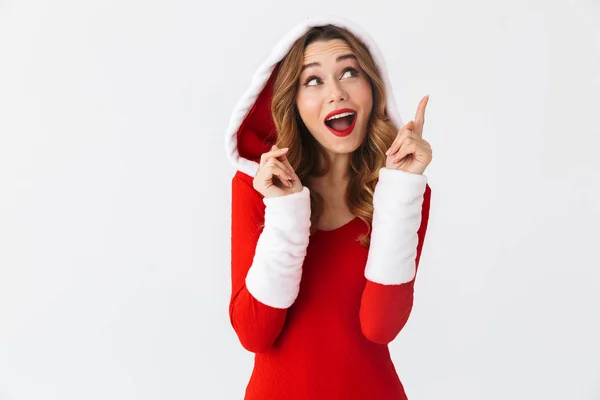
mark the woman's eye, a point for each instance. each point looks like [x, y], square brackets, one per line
[310, 79]
[352, 71]
[314, 81]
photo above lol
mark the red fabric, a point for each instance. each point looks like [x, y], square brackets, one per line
[257, 132]
[332, 342]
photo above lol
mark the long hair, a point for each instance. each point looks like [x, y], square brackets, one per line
[305, 153]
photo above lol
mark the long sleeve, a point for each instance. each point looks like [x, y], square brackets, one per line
[401, 212]
[266, 262]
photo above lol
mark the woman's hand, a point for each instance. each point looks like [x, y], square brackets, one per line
[275, 176]
[410, 152]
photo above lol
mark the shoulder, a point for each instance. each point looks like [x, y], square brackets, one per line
[243, 192]
[242, 182]
[241, 178]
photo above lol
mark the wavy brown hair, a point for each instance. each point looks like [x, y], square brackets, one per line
[305, 152]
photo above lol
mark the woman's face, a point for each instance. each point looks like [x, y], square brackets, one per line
[332, 83]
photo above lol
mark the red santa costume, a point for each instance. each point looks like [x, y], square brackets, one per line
[319, 310]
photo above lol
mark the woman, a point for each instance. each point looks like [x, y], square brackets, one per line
[329, 214]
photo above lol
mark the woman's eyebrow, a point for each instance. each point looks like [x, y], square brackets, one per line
[340, 58]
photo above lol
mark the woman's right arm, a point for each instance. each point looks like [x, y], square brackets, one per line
[266, 263]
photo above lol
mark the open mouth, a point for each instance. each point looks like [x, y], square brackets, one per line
[341, 124]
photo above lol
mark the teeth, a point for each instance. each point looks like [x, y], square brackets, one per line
[342, 115]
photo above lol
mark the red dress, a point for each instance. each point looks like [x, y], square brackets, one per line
[331, 343]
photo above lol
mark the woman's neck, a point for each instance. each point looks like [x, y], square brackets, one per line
[334, 183]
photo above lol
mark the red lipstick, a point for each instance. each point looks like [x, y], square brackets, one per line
[347, 131]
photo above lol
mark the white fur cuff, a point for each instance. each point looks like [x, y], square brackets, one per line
[274, 277]
[397, 203]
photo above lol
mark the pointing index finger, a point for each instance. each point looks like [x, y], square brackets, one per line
[420, 115]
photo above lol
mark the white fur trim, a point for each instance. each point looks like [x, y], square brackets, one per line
[274, 277]
[397, 203]
[262, 75]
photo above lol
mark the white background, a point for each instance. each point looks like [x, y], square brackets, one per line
[115, 194]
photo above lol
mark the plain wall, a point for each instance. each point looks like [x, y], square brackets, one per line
[115, 194]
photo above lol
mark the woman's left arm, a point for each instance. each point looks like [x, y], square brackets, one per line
[400, 216]
[398, 234]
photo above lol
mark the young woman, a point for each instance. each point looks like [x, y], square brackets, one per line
[329, 213]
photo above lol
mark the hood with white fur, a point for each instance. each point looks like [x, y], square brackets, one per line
[251, 131]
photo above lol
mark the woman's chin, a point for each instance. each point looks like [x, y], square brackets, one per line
[335, 144]
[347, 146]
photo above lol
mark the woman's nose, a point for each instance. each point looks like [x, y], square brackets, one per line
[337, 93]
